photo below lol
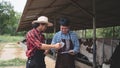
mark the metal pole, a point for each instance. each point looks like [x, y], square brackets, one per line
[54, 24]
[85, 33]
[94, 44]
[82, 33]
[113, 36]
[94, 36]
[103, 51]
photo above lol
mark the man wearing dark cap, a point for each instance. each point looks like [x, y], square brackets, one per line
[65, 55]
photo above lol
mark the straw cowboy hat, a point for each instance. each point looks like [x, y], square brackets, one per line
[43, 19]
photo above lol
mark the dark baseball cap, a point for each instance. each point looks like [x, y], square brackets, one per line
[64, 21]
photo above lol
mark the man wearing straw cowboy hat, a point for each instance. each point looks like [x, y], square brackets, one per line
[36, 49]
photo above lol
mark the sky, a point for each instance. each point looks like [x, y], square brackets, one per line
[18, 4]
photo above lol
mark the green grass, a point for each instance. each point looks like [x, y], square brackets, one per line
[13, 62]
[11, 39]
[7, 38]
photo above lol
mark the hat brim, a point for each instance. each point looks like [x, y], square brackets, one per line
[49, 24]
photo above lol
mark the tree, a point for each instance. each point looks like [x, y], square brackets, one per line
[8, 18]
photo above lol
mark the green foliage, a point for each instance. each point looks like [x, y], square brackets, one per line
[8, 19]
[111, 32]
[108, 32]
[13, 62]
[49, 35]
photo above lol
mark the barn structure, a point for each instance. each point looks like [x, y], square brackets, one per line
[83, 14]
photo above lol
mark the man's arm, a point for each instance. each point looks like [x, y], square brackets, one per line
[49, 46]
[76, 43]
[39, 45]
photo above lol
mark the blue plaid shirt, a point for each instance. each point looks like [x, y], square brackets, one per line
[71, 35]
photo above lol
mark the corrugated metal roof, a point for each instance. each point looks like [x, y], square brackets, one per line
[80, 13]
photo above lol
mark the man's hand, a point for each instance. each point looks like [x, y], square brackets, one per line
[71, 52]
[57, 46]
[46, 52]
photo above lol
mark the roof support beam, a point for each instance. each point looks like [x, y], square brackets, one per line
[54, 6]
[74, 2]
[46, 8]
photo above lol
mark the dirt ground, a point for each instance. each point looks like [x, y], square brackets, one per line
[13, 50]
